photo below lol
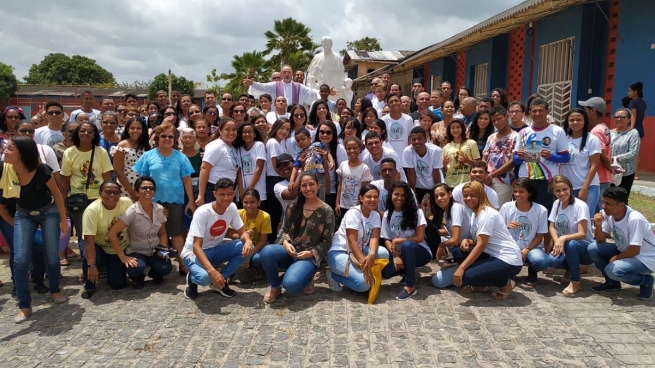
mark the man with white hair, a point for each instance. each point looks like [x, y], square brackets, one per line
[374, 83]
[294, 92]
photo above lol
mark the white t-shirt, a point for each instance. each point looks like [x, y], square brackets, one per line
[92, 116]
[272, 116]
[533, 222]
[375, 165]
[382, 198]
[351, 180]
[278, 189]
[48, 137]
[398, 132]
[354, 219]
[273, 149]
[249, 161]
[578, 166]
[342, 157]
[501, 245]
[423, 166]
[391, 229]
[491, 195]
[459, 216]
[633, 229]
[551, 138]
[210, 226]
[566, 220]
[48, 157]
[223, 159]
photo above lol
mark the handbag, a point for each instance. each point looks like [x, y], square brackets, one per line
[79, 201]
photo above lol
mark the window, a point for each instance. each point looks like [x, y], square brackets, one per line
[481, 81]
[555, 76]
[435, 82]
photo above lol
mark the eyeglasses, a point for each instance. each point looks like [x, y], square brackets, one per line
[212, 113]
[299, 116]
[112, 192]
[249, 132]
[325, 132]
[167, 136]
[194, 112]
[239, 111]
[26, 131]
[108, 122]
[85, 132]
[186, 102]
[620, 117]
[54, 112]
[169, 113]
[226, 99]
[147, 189]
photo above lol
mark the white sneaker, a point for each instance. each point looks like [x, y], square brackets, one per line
[332, 283]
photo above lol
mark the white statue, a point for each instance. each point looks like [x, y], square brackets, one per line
[327, 68]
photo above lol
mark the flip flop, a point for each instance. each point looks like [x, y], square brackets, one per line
[500, 296]
[568, 293]
[64, 262]
[468, 289]
[272, 294]
[310, 289]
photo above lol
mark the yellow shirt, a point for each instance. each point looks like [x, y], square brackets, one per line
[457, 172]
[76, 165]
[261, 225]
[97, 220]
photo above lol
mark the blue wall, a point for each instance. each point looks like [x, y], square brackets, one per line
[593, 46]
[635, 59]
[500, 57]
[478, 54]
[436, 68]
[446, 67]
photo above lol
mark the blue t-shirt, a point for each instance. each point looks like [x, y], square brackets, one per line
[107, 145]
[167, 172]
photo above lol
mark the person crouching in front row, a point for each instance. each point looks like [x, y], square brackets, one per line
[204, 248]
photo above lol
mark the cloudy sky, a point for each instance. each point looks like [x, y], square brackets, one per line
[136, 40]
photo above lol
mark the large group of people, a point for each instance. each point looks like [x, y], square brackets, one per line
[286, 180]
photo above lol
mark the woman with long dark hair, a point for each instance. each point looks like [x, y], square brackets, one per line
[134, 142]
[9, 120]
[304, 242]
[252, 166]
[481, 128]
[637, 107]
[39, 203]
[500, 97]
[462, 93]
[403, 233]
[326, 133]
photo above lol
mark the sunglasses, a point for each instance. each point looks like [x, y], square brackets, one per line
[85, 132]
[194, 112]
[167, 136]
[239, 111]
[26, 131]
[299, 116]
[54, 112]
[169, 113]
[112, 192]
[325, 132]
[147, 189]
[120, 111]
[226, 99]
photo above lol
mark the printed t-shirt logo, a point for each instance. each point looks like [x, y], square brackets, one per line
[562, 225]
[421, 169]
[619, 238]
[524, 228]
[247, 163]
[396, 130]
[218, 228]
[368, 229]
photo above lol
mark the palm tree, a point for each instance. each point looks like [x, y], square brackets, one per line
[300, 59]
[288, 37]
[252, 65]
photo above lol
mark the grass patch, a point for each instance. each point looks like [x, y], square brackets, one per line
[643, 204]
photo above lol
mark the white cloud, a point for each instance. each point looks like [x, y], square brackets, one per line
[136, 40]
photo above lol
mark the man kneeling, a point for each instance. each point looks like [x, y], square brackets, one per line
[632, 258]
[204, 247]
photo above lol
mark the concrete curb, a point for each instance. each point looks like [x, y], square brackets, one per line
[647, 191]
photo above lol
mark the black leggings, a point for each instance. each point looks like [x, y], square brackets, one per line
[626, 182]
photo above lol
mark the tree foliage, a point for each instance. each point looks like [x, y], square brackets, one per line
[287, 37]
[76, 70]
[8, 82]
[252, 65]
[363, 44]
[160, 82]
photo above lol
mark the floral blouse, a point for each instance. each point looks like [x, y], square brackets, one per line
[315, 234]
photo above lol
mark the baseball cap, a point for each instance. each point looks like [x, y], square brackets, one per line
[284, 158]
[595, 103]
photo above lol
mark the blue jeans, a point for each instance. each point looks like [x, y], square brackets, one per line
[593, 195]
[298, 276]
[538, 261]
[158, 267]
[413, 255]
[629, 270]
[229, 252]
[256, 260]
[485, 271]
[116, 277]
[575, 252]
[355, 280]
[24, 231]
[8, 233]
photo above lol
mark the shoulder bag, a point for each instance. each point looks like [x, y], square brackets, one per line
[79, 201]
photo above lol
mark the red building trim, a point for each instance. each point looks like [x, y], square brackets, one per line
[460, 78]
[516, 58]
[610, 57]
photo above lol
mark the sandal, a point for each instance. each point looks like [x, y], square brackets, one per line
[272, 294]
[70, 253]
[310, 289]
[500, 296]
[64, 262]
[468, 289]
[569, 292]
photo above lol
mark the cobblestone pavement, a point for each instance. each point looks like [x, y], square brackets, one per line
[157, 327]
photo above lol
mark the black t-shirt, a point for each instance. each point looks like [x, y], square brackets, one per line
[35, 194]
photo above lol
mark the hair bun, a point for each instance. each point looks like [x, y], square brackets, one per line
[639, 85]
